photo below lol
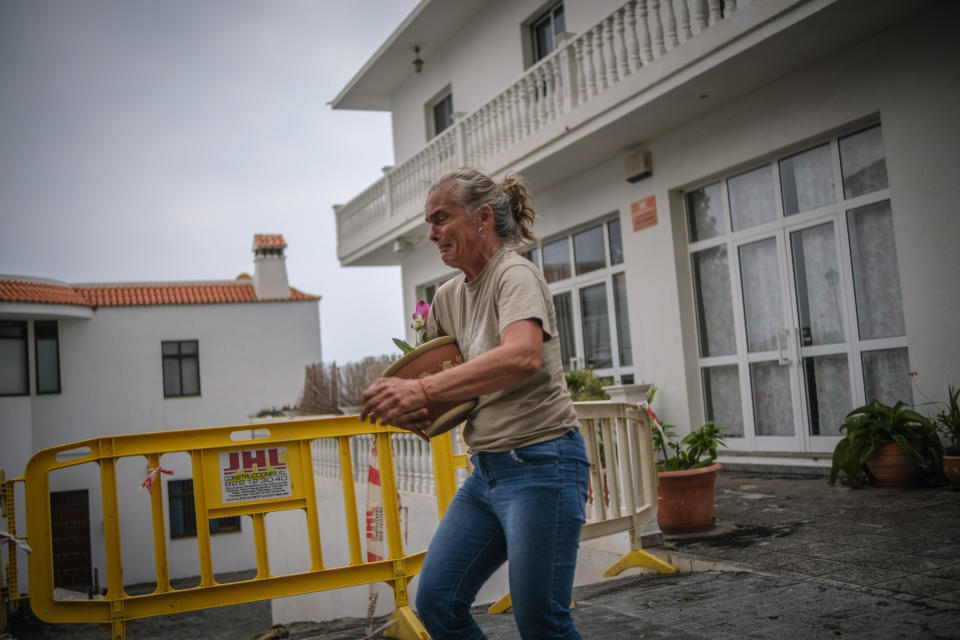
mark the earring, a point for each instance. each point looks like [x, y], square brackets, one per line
[480, 232]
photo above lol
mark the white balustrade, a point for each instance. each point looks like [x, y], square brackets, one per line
[583, 66]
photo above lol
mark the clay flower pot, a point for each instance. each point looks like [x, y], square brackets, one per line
[892, 468]
[429, 358]
[685, 499]
[951, 469]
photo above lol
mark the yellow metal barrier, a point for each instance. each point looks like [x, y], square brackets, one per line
[623, 478]
[216, 459]
[10, 597]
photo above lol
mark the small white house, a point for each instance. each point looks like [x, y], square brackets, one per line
[88, 360]
[749, 203]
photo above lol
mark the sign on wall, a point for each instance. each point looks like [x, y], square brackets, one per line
[254, 474]
[644, 213]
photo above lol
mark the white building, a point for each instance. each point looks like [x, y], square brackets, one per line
[746, 202]
[88, 360]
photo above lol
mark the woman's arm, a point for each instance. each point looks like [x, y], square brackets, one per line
[402, 402]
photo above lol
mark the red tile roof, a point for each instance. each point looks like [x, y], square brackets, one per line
[136, 295]
[22, 291]
[268, 241]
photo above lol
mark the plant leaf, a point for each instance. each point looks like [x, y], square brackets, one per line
[403, 346]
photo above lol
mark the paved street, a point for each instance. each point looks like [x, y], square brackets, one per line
[791, 558]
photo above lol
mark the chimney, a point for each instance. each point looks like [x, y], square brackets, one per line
[269, 267]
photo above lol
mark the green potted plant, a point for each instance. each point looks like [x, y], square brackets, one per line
[426, 358]
[947, 423]
[687, 475]
[890, 447]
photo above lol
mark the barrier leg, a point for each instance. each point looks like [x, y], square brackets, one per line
[407, 627]
[638, 558]
[502, 605]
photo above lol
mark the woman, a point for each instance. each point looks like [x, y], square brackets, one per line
[525, 500]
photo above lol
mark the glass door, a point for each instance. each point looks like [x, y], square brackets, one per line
[768, 358]
[797, 295]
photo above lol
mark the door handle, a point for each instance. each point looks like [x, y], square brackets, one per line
[782, 335]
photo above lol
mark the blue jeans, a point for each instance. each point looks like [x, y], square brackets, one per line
[525, 506]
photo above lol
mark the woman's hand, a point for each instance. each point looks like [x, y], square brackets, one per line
[398, 402]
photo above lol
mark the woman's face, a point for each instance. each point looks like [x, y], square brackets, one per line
[454, 230]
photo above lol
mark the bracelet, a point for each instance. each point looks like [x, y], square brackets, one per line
[424, 389]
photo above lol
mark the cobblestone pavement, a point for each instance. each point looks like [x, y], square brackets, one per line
[790, 558]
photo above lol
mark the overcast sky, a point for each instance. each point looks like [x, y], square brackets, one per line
[145, 140]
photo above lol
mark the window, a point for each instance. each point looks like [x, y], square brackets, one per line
[14, 370]
[183, 515]
[441, 113]
[544, 30]
[585, 272]
[46, 340]
[181, 368]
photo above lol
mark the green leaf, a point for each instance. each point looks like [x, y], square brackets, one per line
[403, 346]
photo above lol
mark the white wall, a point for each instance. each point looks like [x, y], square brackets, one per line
[251, 356]
[905, 75]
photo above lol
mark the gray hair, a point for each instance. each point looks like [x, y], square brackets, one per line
[513, 213]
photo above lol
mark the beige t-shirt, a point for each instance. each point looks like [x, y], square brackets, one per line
[509, 289]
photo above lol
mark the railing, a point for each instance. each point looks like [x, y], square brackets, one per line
[623, 478]
[235, 473]
[582, 68]
[623, 473]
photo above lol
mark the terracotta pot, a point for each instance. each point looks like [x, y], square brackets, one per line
[429, 358]
[951, 468]
[892, 468]
[685, 499]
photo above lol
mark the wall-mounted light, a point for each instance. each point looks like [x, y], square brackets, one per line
[417, 62]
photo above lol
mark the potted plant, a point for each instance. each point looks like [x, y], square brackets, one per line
[427, 358]
[687, 475]
[891, 447]
[947, 423]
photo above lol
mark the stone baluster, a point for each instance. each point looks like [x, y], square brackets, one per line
[683, 18]
[467, 141]
[508, 135]
[729, 7]
[633, 44]
[714, 13]
[646, 51]
[556, 65]
[503, 103]
[495, 128]
[656, 29]
[699, 16]
[591, 65]
[405, 468]
[566, 68]
[581, 72]
[423, 454]
[517, 111]
[550, 89]
[490, 122]
[542, 111]
[624, 69]
[670, 26]
[600, 53]
[613, 74]
[429, 486]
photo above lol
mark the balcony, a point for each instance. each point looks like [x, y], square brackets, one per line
[645, 68]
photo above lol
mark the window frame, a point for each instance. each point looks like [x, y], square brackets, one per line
[36, 352]
[573, 284]
[179, 358]
[182, 491]
[24, 339]
[549, 14]
[433, 130]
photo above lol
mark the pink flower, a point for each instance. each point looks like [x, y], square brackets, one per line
[423, 309]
